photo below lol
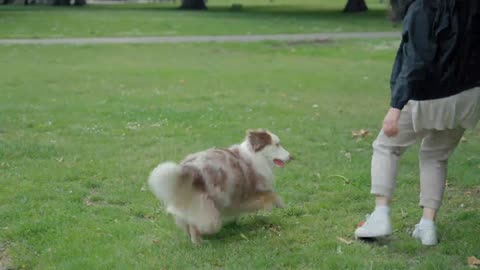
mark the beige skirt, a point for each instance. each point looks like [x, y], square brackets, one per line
[460, 110]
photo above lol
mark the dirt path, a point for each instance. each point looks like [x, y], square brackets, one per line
[200, 39]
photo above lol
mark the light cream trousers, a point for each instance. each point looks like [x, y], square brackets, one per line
[436, 147]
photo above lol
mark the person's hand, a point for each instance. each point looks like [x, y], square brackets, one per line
[390, 122]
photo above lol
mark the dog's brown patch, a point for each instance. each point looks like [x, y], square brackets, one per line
[197, 179]
[217, 176]
[254, 177]
[259, 139]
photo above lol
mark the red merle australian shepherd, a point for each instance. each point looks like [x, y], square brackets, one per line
[211, 186]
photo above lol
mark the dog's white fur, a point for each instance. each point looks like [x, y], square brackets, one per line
[215, 184]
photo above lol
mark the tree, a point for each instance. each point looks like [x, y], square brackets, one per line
[193, 4]
[79, 2]
[355, 6]
[61, 2]
[352, 5]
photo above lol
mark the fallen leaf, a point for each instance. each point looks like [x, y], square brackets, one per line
[463, 140]
[360, 224]
[343, 240]
[473, 261]
[362, 133]
[244, 237]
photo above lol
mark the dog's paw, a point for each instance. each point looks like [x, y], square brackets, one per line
[279, 203]
[268, 207]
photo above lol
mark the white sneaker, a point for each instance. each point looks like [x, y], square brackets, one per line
[376, 225]
[426, 234]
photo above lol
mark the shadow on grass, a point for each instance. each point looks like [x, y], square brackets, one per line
[383, 241]
[232, 231]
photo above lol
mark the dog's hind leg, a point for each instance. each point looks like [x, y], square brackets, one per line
[182, 224]
[195, 235]
[207, 218]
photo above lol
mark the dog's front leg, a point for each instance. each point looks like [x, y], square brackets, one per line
[271, 199]
[263, 200]
[278, 202]
[182, 224]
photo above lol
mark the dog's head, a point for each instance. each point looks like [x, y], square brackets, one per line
[266, 144]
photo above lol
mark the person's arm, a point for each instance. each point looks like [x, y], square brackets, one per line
[418, 52]
[419, 49]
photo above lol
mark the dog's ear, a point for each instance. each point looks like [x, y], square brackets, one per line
[259, 139]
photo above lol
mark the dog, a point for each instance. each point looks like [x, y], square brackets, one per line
[215, 185]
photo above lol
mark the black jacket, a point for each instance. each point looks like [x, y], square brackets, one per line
[439, 55]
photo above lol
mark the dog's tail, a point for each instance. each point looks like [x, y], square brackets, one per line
[175, 186]
[164, 181]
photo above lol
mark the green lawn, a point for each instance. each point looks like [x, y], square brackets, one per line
[256, 17]
[82, 126]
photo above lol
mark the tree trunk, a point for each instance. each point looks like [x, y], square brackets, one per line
[61, 2]
[355, 6]
[80, 2]
[193, 4]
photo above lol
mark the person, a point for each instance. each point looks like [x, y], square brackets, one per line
[435, 96]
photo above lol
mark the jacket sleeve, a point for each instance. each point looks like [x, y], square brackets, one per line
[416, 53]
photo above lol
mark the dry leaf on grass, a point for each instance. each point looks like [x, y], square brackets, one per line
[463, 140]
[360, 133]
[473, 261]
[273, 228]
[343, 240]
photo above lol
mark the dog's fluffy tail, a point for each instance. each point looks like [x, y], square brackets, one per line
[173, 185]
[164, 181]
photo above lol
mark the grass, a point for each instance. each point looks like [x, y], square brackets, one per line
[82, 126]
[299, 16]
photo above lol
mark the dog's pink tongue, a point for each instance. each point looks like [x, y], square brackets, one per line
[279, 163]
